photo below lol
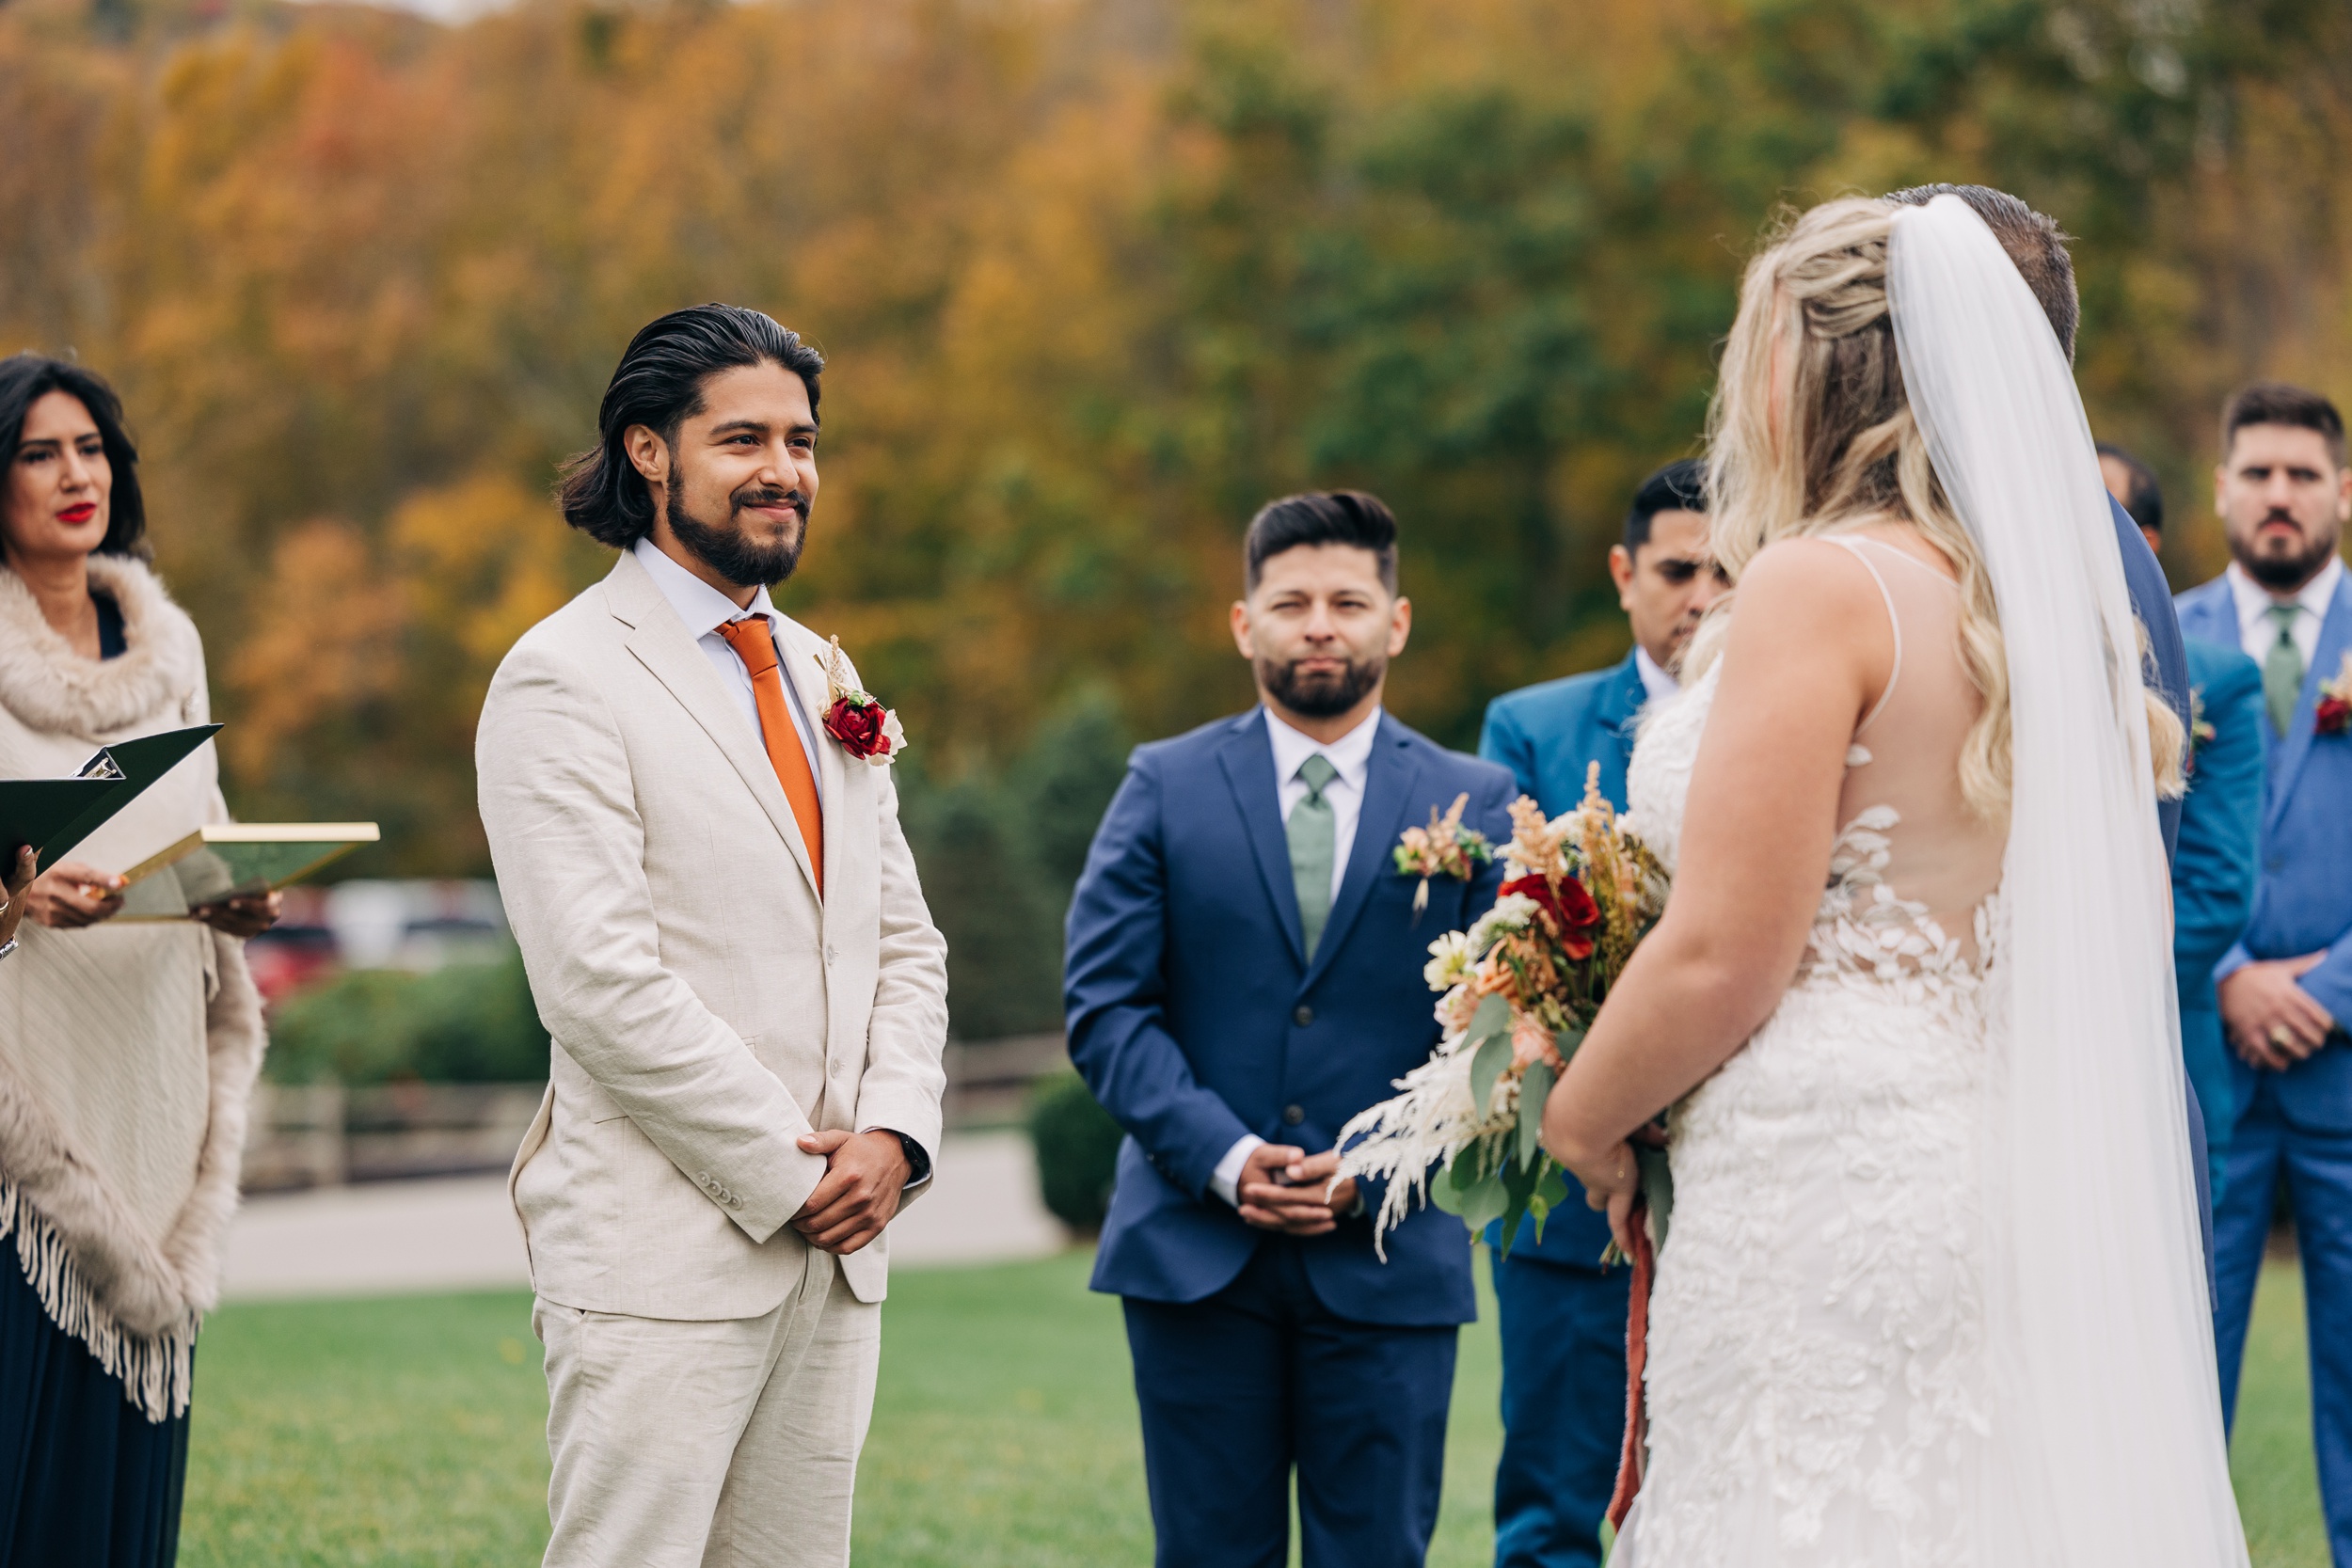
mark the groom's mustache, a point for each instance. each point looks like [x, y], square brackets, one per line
[767, 494]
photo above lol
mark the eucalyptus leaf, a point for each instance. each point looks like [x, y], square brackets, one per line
[1538, 1210]
[1484, 1203]
[1565, 1042]
[1658, 1189]
[1553, 1188]
[1445, 1194]
[1493, 1017]
[1535, 1088]
[1486, 1067]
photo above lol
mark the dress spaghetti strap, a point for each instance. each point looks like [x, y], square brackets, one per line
[1853, 547]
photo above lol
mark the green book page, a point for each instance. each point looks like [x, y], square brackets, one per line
[43, 811]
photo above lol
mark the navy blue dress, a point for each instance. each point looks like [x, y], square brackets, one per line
[85, 1477]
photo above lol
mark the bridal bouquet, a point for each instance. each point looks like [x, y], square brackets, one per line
[1520, 988]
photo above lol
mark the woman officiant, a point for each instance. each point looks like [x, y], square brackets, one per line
[127, 1050]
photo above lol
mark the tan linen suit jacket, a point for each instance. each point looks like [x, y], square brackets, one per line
[707, 1008]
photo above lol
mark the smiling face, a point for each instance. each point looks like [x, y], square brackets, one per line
[736, 485]
[59, 482]
[2284, 503]
[1319, 630]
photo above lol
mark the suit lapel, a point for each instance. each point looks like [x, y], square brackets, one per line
[2209, 613]
[660, 641]
[2335, 638]
[1621, 706]
[1388, 780]
[1248, 758]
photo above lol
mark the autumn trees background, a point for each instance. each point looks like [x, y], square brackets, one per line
[1095, 278]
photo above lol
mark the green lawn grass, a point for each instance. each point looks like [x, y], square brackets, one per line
[409, 1430]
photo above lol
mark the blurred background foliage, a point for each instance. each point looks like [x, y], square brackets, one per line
[1095, 278]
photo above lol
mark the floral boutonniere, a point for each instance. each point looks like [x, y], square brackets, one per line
[2201, 730]
[864, 727]
[1443, 848]
[2335, 702]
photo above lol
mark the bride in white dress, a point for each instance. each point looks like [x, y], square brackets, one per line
[1934, 1292]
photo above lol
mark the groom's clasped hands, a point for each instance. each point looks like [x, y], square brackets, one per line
[1286, 1189]
[866, 1175]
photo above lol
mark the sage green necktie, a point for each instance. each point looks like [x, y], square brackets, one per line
[2282, 669]
[1313, 834]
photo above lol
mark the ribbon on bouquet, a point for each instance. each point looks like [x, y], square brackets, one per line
[1636, 1359]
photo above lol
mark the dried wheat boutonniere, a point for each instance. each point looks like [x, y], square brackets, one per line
[865, 728]
[1443, 848]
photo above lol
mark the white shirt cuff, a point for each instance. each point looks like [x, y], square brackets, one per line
[1225, 1181]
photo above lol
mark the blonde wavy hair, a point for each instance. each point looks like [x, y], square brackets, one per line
[1811, 432]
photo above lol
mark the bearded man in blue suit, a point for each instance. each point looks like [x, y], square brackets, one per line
[1244, 975]
[2284, 492]
[1563, 1312]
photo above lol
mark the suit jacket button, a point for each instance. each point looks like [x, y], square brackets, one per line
[1302, 1014]
[1294, 1114]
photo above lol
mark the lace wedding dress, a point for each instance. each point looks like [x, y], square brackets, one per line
[1934, 1292]
[1816, 1373]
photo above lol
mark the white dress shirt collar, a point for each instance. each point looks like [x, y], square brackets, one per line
[2257, 631]
[1351, 753]
[702, 606]
[1657, 685]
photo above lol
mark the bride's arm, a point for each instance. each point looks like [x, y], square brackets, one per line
[1809, 650]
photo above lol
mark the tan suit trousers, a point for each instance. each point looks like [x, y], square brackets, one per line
[729, 1444]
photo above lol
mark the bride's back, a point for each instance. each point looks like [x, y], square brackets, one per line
[1941, 858]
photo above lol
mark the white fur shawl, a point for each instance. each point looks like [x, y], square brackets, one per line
[124, 1263]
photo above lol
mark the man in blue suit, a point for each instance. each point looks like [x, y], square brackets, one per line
[2212, 873]
[2284, 492]
[1563, 1313]
[1244, 975]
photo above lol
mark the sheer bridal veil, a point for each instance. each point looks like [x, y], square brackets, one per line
[2105, 1426]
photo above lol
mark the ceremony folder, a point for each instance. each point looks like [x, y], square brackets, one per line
[224, 859]
[53, 815]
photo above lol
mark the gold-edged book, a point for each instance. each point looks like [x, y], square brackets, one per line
[222, 859]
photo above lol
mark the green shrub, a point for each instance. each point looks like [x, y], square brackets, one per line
[1078, 1152]
[466, 1024]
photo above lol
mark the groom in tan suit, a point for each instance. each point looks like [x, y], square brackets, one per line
[747, 997]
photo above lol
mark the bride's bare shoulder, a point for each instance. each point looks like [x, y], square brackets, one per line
[1810, 597]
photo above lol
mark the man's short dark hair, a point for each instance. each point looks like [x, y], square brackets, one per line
[2034, 243]
[28, 378]
[2277, 403]
[1320, 517]
[659, 384]
[1680, 486]
[2143, 497]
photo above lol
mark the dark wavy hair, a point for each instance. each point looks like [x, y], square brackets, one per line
[659, 384]
[1321, 517]
[24, 380]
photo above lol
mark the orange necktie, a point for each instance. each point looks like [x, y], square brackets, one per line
[752, 645]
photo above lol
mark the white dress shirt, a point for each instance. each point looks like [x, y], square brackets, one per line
[2258, 633]
[1656, 683]
[1351, 753]
[703, 610]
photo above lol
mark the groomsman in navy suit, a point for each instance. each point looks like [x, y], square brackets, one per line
[2284, 493]
[1563, 1313]
[1244, 975]
[2212, 873]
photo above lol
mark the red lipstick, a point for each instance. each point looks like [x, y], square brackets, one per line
[79, 513]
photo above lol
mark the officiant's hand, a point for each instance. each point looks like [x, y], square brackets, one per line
[246, 915]
[2273, 1022]
[71, 894]
[27, 868]
[1289, 1189]
[865, 1174]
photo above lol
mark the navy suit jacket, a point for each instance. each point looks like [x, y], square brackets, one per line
[1196, 1018]
[1548, 735]
[2152, 601]
[2303, 899]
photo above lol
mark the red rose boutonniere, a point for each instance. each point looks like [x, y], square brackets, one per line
[865, 728]
[2335, 702]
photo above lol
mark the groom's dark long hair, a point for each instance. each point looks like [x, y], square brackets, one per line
[659, 384]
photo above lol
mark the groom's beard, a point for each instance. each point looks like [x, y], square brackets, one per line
[1323, 694]
[2278, 564]
[729, 549]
